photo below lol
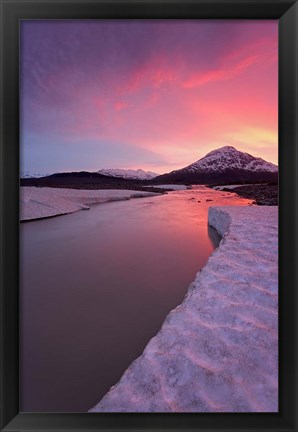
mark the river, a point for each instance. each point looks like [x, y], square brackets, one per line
[95, 287]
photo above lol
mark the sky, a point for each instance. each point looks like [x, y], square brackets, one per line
[150, 94]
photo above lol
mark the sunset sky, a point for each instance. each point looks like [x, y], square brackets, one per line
[156, 95]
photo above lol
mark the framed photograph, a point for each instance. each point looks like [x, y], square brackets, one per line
[148, 215]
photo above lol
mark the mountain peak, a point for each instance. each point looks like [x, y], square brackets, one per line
[223, 149]
[227, 158]
[226, 164]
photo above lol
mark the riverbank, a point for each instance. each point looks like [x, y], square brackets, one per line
[262, 194]
[218, 350]
[44, 202]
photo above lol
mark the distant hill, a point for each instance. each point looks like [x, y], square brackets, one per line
[76, 179]
[77, 174]
[223, 166]
[87, 180]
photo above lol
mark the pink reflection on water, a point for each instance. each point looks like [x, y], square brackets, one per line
[96, 287]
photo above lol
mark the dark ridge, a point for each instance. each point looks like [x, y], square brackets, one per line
[88, 180]
[80, 174]
[228, 177]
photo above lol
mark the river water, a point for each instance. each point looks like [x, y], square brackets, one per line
[96, 286]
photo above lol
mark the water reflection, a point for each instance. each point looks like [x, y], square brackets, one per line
[96, 286]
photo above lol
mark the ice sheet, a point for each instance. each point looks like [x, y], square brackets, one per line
[41, 202]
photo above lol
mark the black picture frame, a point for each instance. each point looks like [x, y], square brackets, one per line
[286, 11]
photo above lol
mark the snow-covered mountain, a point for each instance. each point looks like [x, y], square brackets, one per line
[226, 158]
[28, 174]
[128, 173]
[224, 165]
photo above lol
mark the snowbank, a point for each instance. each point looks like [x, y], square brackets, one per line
[37, 203]
[218, 350]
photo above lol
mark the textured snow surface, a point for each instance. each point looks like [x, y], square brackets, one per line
[218, 350]
[36, 203]
[128, 173]
[227, 158]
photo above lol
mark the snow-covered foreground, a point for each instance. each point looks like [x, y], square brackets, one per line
[218, 350]
[37, 203]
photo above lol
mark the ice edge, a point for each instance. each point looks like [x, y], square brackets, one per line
[44, 202]
[218, 350]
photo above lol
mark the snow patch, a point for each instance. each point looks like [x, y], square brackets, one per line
[37, 203]
[218, 350]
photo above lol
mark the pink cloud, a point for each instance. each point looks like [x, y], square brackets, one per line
[162, 76]
[220, 74]
[120, 105]
[152, 74]
[180, 103]
[257, 53]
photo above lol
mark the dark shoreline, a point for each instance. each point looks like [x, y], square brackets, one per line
[262, 194]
